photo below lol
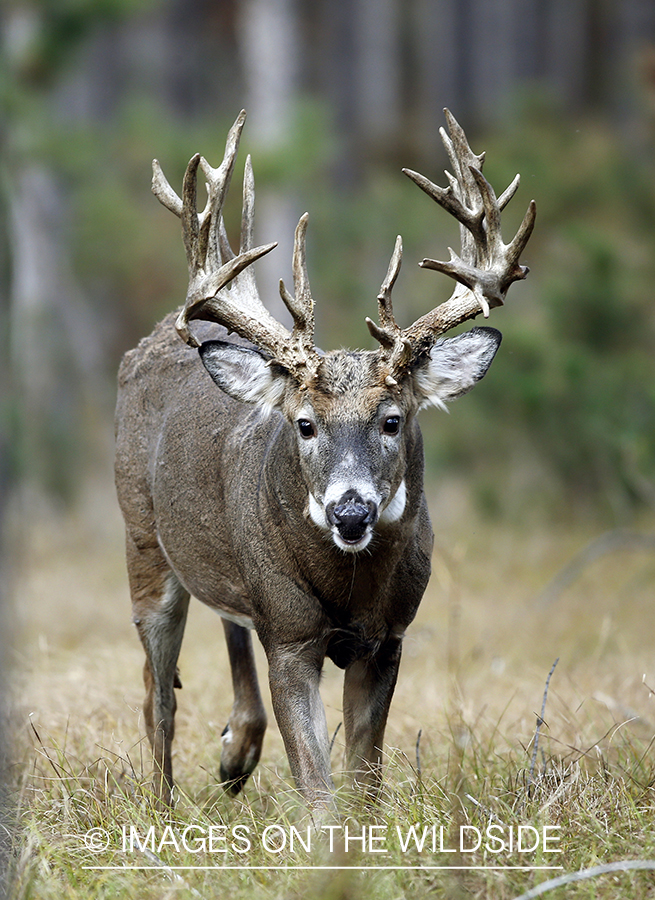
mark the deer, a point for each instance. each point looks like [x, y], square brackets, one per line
[282, 485]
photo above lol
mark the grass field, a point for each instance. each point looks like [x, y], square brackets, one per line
[472, 683]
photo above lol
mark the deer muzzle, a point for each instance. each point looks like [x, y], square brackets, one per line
[353, 518]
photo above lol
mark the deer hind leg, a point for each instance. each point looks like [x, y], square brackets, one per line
[244, 733]
[160, 606]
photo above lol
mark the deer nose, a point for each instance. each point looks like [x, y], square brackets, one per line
[351, 515]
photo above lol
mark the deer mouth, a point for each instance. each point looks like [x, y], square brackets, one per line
[352, 534]
[352, 544]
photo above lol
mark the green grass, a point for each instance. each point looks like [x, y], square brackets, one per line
[599, 809]
[472, 683]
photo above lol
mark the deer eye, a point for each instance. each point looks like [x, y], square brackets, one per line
[391, 425]
[306, 428]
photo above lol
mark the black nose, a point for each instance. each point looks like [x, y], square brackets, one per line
[351, 515]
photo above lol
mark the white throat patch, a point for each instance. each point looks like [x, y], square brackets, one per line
[317, 513]
[395, 507]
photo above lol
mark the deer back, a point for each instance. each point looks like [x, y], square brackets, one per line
[219, 485]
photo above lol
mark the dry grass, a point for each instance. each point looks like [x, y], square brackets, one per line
[472, 682]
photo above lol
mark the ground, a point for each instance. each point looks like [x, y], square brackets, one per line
[471, 684]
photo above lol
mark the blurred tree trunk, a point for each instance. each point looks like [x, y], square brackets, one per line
[435, 67]
[378, 74]
[269, 36]
[55, 345]
[380, 65]
[54, 338]
[335, 62]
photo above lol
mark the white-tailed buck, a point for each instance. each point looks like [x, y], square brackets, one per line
[283, 486]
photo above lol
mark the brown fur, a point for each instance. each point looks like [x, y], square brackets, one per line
[217, 498]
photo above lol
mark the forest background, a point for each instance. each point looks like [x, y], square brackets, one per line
[340, 96]
[559, 439]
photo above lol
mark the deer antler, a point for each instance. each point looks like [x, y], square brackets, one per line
[213, 265]
[484, 270]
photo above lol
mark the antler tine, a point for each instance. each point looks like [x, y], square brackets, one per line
[218, 182]
[302, 303]
[456, 143]
[213, 265]
[385, 306]
[247, 222]
[509, 192]
[446, 198]
[463, 159]
[388, 332]
[487, 266]
[246, 240]
[521, 238]
[301, 306]
[248, 209]
[190, 223]
[163, 191]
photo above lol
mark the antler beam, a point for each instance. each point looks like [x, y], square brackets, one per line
[486, 266]
[484, 269]
[213, 265]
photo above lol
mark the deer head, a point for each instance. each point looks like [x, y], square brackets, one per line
[351, 413]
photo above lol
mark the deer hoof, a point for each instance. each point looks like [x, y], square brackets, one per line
[231, 782]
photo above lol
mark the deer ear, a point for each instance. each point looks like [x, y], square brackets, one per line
[455, 365]
[244, 374]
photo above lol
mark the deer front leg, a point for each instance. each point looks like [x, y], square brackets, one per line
[160, 605]
[294, 675]
[244, 733]
[368, 688]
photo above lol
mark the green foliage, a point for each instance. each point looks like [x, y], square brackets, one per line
[567, 410]
[566, 413]
[571, 393]
[55, 29]
[580, 368]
